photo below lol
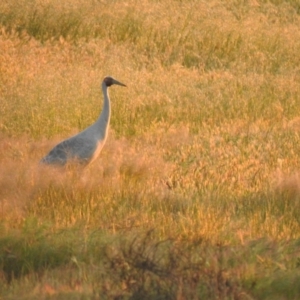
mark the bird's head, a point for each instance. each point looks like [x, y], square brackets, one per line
[110, 81]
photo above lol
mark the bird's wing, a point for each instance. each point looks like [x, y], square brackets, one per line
[58, 155]
[75, 148]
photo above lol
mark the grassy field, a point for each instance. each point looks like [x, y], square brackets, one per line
[196, 194]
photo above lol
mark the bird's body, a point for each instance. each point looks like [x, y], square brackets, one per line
[85, 146]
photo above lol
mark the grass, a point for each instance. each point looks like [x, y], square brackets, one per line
[196, 194]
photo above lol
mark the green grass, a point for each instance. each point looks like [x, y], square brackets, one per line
[196, 194]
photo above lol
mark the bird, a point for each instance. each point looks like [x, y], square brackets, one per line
[85, 147]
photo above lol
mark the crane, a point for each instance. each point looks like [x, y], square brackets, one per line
[85, 146]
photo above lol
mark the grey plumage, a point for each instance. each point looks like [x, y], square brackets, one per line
[86, 145]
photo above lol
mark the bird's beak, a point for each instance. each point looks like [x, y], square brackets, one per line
[118, 82]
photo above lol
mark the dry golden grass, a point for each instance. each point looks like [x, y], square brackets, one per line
[202, 149]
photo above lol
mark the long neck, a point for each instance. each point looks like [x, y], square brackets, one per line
[103, 120]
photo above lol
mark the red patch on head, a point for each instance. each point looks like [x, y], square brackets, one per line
[108, 81]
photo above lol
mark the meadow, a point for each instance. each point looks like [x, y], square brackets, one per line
[196, 194]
